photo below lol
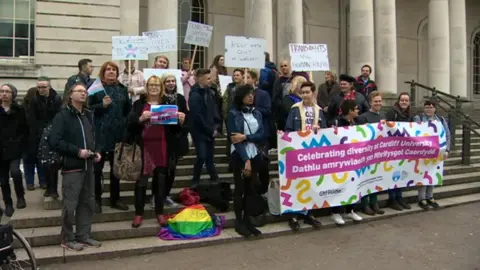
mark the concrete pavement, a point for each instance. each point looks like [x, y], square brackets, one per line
[447, 239]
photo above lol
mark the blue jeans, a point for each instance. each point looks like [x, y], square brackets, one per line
[395, 194]
[205, 152]
[29, 164]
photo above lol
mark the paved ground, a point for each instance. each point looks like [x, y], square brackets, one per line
[448, 239]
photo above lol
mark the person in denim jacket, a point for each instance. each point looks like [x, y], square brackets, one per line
[305, 115]
[425, 193]
[246, 130]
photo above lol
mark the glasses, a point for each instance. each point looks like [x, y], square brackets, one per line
[80, 91]
[154, 85]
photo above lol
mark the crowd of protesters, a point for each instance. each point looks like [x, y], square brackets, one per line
[75, 135]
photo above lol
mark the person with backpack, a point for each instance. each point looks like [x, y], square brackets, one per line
[73, 137]
[425, 193]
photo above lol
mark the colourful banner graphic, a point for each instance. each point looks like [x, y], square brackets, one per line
[337, 166]
[164, 115]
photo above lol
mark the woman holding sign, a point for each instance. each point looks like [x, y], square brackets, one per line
[156, 134]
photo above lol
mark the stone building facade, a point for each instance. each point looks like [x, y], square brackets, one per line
[435, 42]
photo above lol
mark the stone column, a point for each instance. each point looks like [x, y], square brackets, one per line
[362, 42]
[259, 21]
[130, 17]
[386, 46]
[439, 45]
[162, 15]
[458, 49]
[289, 26]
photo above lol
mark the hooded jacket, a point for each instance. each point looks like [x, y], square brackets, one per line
[204, 117]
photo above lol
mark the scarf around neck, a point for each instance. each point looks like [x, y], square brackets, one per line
[171, 97]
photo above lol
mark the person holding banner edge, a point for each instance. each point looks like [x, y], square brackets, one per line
[425, 193]
[305, 115]
[374, 115]
[349, 115]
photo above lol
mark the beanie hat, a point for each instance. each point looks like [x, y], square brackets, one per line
[14, 90]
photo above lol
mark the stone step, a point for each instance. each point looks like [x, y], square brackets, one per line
[149, 243]
[184, 175]
[109, 214]
[43, 236]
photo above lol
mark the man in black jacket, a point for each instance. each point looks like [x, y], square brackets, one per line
[85, 69]
[204, 121]
[73, 136]
[43, 107]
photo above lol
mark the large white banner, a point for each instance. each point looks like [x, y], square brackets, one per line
[337, 166]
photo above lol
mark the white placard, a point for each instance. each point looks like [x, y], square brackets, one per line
[309, 57]
[149, 72]
[198, 34]
[244, 52]
[224, 81]
[162, 40]
[130, 48]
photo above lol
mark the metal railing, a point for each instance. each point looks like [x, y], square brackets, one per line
[456, 116]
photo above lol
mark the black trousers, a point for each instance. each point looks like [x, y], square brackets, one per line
[339, 209]
[114, 181]
[51, 177]
[159, 190]
[244, 185]
[7, 166]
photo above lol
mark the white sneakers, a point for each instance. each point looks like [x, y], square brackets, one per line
[354, 216]
[338, 219]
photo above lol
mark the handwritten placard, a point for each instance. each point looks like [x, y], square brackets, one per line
[309, 57]
[198, 34]
[224, 82]
[164, 114]
[129, 48]
[149, 72]
[244, 52]
[162, 40]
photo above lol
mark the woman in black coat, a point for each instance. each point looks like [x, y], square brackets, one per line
[158, 144]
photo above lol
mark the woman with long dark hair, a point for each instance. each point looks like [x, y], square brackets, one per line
[245, 127]
[400, 112]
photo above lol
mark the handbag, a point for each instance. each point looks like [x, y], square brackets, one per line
[273, 197]
[128, 161]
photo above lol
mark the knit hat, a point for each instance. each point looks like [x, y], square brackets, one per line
[14, 90]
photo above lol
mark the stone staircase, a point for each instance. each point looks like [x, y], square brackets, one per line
[42, 227]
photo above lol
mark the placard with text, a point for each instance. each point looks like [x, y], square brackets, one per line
[309, 57]
[244, 52]
[130, 48]
[198, 34]
[162, 40]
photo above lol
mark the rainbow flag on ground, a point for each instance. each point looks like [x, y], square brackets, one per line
[193, 222]
[96, 87]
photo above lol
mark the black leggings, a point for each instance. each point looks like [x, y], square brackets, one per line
[159, 189]
[51, 177]
[339, 209]
[243, 185]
